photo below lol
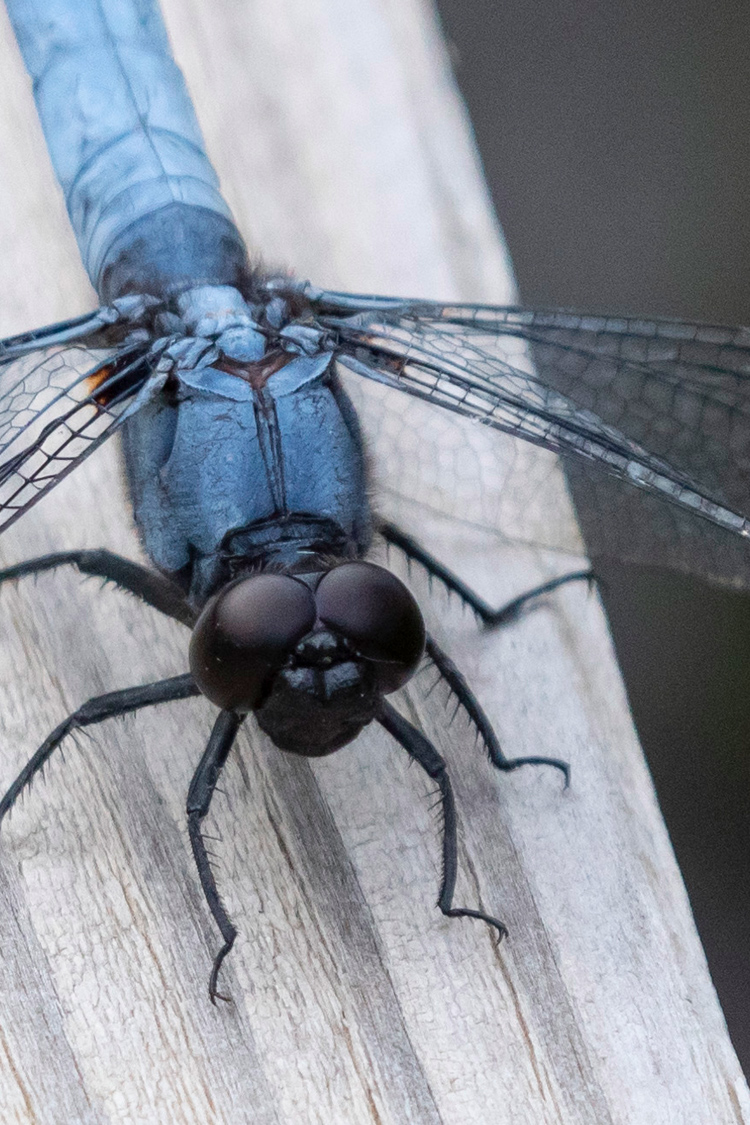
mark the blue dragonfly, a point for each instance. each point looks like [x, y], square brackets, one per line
[243, 452]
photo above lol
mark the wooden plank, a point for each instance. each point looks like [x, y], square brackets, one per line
[344, 151]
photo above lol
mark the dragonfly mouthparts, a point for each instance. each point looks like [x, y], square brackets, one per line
[313, 710]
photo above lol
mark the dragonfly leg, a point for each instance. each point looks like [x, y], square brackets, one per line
[421, 750]
[96, 711]
[458, 685]
[198, 803]
[488, 616]
[152, 588]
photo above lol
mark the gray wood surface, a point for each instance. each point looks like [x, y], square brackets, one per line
[344, 151]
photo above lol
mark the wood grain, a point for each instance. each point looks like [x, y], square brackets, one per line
[344, 151]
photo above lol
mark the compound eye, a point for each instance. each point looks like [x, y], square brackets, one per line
[378, 615]
[245, 633]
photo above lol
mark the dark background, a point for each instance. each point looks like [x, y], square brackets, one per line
[616, 142]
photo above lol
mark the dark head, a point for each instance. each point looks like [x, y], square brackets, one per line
[310, 654]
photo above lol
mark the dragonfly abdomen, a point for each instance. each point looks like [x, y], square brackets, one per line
[143, 199]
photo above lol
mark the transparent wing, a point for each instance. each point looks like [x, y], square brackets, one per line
[662, 405]
[60, 401]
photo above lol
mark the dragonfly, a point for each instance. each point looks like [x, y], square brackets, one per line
[244, 453]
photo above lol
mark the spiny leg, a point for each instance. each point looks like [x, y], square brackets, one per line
[487, 615]
[151, 587]
[424, 753]
[460, 688]
[198, 803]
[491, 618]
[96, 711]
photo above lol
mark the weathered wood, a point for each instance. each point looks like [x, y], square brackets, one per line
[344, 151]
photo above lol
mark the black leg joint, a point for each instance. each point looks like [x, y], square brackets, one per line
[421, 750]
[148, 585]
[490, 618]
[96, 711]
[200, 793]
[459, 686]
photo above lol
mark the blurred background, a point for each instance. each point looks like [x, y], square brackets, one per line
[616, 143]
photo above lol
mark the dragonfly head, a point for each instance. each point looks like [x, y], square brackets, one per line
[310, 654]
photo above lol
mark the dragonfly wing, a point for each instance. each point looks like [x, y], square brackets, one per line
[663, 405]
[685, 394]
[57, 404]
[107, 326]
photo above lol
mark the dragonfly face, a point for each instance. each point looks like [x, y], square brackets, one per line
[310, 654]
